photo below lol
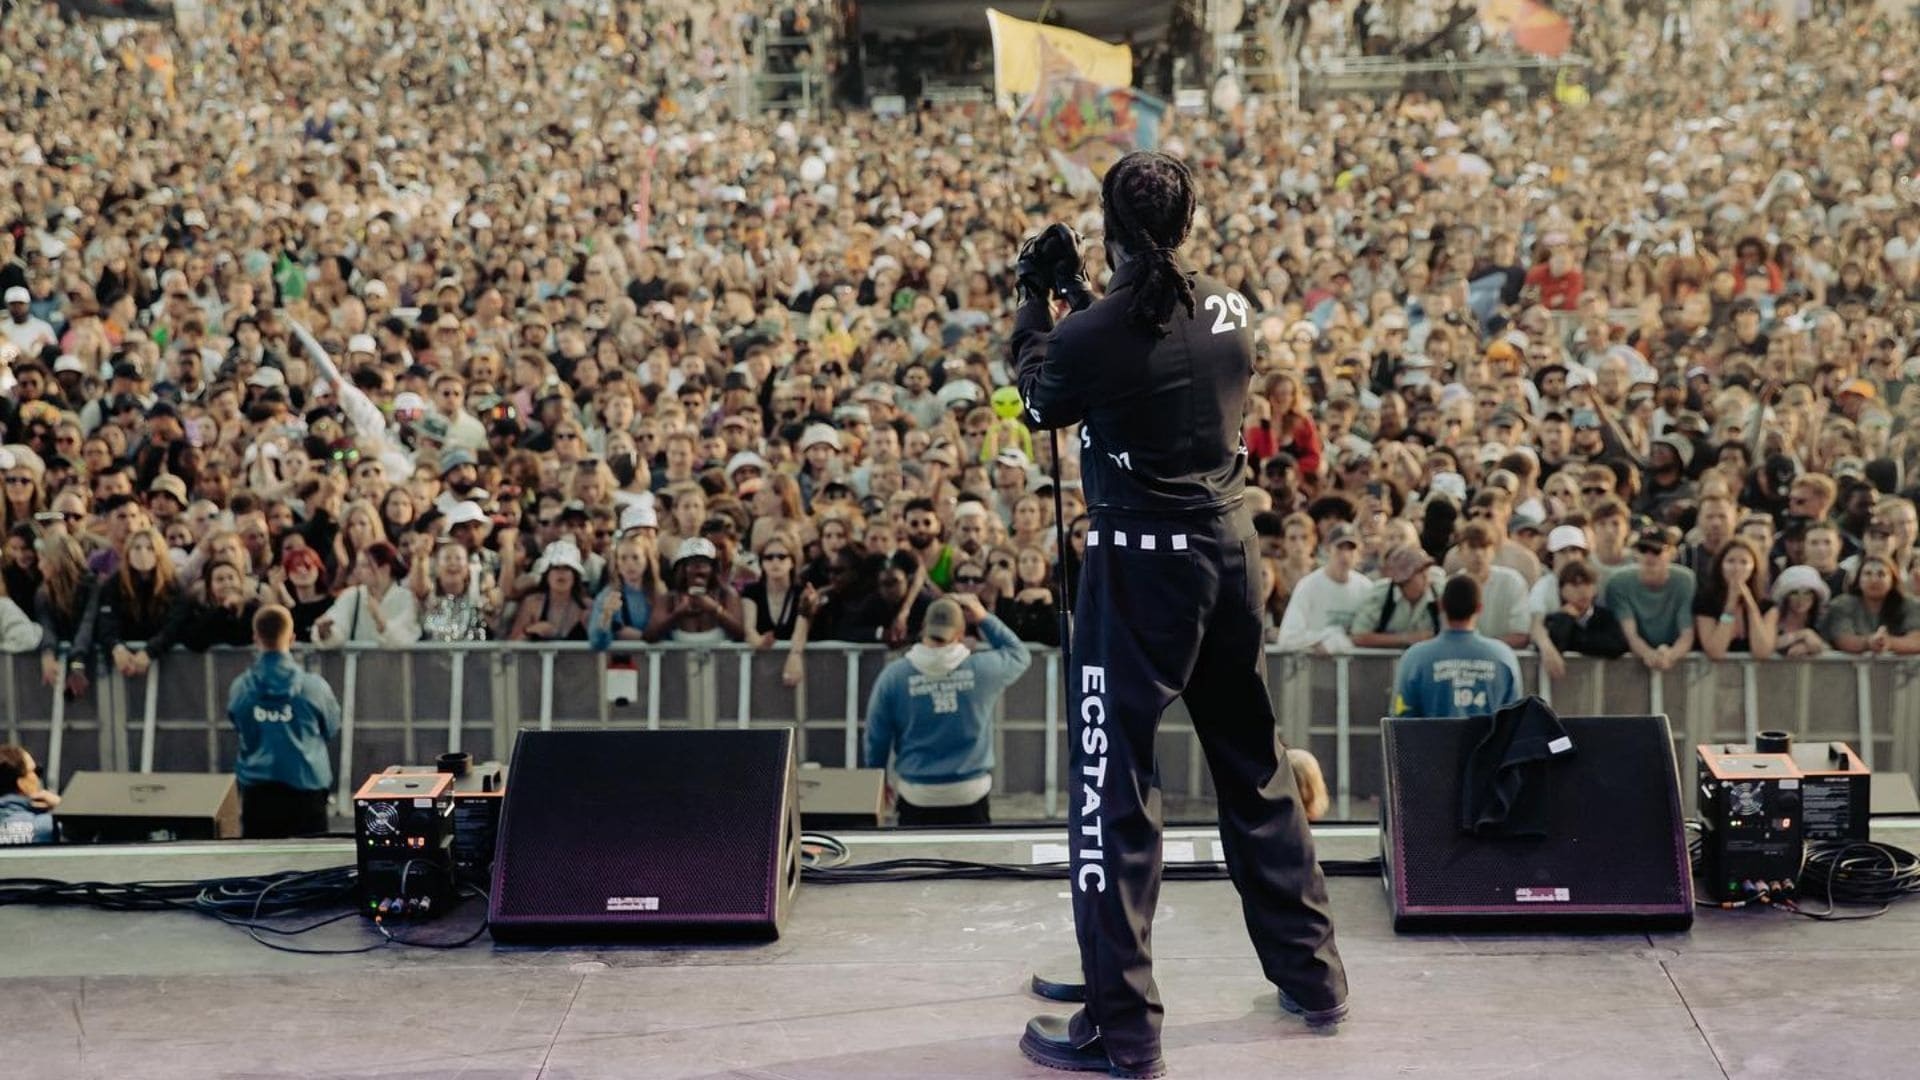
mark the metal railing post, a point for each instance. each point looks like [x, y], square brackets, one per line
[653, 690]
[1545, 685]
[744, 693]
[546, 690]
[150, 717]
[57, 734]
[349, 707]
[1750, 698]
[853, 710]
[1343, 734]
[1863, 709]
[456, 699]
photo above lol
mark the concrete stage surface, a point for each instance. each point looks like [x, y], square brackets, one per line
[927, 980]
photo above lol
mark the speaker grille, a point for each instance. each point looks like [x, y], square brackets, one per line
[612, 828]
[1615, 842]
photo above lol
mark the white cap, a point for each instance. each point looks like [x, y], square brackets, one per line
[1450, 484]
[696, 547]
[815, 433]
[639, 516]
[194, 219]
[19, 295]
[463, 513]
[408, 401]
[267, 377]
[69, 362]
[1567, 536]
[562, 553]
[1013, 457]
[747, 459]
[362, 343]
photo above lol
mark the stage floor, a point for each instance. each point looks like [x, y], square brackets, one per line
[927, 980]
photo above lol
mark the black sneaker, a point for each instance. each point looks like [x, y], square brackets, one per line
[1048, 1042]
[1318, 1019]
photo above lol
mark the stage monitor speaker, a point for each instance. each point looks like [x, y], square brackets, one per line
[133, 808]
[1615, 853]
[626, 834]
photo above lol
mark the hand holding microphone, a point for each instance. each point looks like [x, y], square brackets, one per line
[1049, 265]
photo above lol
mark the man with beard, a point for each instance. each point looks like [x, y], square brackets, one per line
[459, 478]
[923, 537]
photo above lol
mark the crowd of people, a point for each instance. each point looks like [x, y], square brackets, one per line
[497, 322]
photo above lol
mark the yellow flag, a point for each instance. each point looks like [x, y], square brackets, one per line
[1016, 57]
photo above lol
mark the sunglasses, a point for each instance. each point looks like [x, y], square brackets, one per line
[19, 481]
[567, 436]
[969, 579]
[776, 556]
[1594, 491]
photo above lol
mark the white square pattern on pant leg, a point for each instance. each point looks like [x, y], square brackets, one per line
[1093, 538]
[1148, 541]
[1119, 538]
[1179, 541]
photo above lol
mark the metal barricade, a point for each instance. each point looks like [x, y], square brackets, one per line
[410, 705]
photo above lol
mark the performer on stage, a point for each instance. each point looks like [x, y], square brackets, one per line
[1157, 374]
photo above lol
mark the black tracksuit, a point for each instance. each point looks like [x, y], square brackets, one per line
[1167, 605]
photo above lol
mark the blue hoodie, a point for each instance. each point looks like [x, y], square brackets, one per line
[284, 716]
[933, 708]
[21, 823]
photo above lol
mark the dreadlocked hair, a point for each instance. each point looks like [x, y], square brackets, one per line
[1148, 200]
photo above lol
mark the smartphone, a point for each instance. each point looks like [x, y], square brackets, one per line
[697, 590]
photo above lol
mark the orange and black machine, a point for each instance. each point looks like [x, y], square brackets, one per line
[1761, 804]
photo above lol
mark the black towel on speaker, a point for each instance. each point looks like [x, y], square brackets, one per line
[1504, 784]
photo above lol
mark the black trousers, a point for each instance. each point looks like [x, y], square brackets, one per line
[1168, 607]
[271, 811]
[911, 816]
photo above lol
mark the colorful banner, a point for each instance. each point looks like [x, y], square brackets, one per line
[1535, 28]
[1017, 61]
[1086, 127]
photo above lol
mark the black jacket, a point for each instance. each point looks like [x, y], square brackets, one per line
[1602, 635]
[1161, 417]
[117, 623]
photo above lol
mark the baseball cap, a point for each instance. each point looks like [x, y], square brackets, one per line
[1012, 457]
[408, 402]
[1861, 387]
[456, 457]
[1656, 537]
[945, 623]
[265, 377]
[169, 484]
[463, 513]
[1450, 484]
[815, 434]
[362, 343]
[696, 547]
[69, 362]
[1564, 537]
[639, 516]
[1343, 534]
[19, 295]
[746, 459]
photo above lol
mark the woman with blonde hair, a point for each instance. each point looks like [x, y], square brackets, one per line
[65, 607]
[360, 529]
[682, 522]
[624, 608]
[777, 507]
[142, 609]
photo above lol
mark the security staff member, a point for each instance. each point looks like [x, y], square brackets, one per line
[1462, 672]
[284, 717]
[1157, 374]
